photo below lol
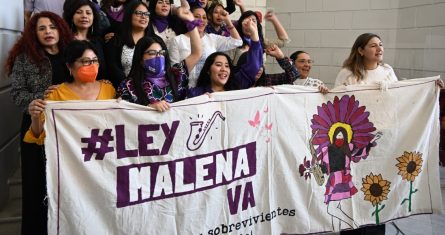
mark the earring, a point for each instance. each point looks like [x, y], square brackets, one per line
[92, 29]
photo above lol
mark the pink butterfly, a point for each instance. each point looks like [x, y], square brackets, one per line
[269, 126]
[256, 121]
[266, 109]
[267, 140]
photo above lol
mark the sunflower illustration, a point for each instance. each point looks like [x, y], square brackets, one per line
[410, 165]
[376, 190]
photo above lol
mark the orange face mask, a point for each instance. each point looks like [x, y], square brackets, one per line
[88, 73]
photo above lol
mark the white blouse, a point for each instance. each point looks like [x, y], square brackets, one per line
[380, 74]
[127, 58]
[180, 48]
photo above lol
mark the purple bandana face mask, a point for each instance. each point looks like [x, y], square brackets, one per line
[155, 71]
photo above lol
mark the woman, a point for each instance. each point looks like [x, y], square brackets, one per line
[119, 50]
[364, 64]
[218, 74]
[217, 22]
[162, 22]
[114, 9]
[83, 18]
[180, 45]
[245, 34]
[34, 64]
[303, 63]
[248, 16]
[152, 81]
[83, 64]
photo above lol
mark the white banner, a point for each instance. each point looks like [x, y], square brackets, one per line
[260, 161]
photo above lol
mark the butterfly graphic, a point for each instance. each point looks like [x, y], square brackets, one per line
[266, 109]
[269, 126]
[267, 140]
[256, 121]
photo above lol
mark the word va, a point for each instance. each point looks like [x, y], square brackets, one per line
[99, 144]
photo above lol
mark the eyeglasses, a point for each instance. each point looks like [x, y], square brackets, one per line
[86, 62]
[155, 52]
[142, 13]
[305, 61]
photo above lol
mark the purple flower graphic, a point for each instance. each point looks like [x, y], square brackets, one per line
[344, 112]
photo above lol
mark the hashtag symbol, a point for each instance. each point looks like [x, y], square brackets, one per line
[95, 139]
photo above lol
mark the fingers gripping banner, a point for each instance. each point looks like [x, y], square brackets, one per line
[260, 161]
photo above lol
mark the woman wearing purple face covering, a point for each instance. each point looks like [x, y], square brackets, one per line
[152, 81]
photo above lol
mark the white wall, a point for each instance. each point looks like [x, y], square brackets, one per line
[413, 33]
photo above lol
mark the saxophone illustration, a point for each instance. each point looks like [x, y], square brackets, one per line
[316, 168]
[198, 133]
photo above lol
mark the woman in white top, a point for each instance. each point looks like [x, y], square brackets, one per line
[364, 64]
[303, 63]
[180, 45]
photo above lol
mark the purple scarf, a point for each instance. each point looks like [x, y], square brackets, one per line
[116, 13]
[160, 22]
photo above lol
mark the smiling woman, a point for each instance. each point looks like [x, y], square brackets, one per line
[83, 19]
[365, 63]
[120, 49]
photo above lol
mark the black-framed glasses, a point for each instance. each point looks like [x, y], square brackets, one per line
[305, 61]
[142, 13]
[155, 52]
[86, 62]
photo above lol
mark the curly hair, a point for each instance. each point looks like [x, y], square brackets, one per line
[69, 10]
[29, 44]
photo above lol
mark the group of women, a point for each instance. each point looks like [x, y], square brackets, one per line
[152, 55]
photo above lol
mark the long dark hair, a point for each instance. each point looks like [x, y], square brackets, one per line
[239, 27]
[137, 73]
[126, 33]
[69, 9]
[345, 146]
[74, 50]
[204, 77]
[174, 22]
[355, 62]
